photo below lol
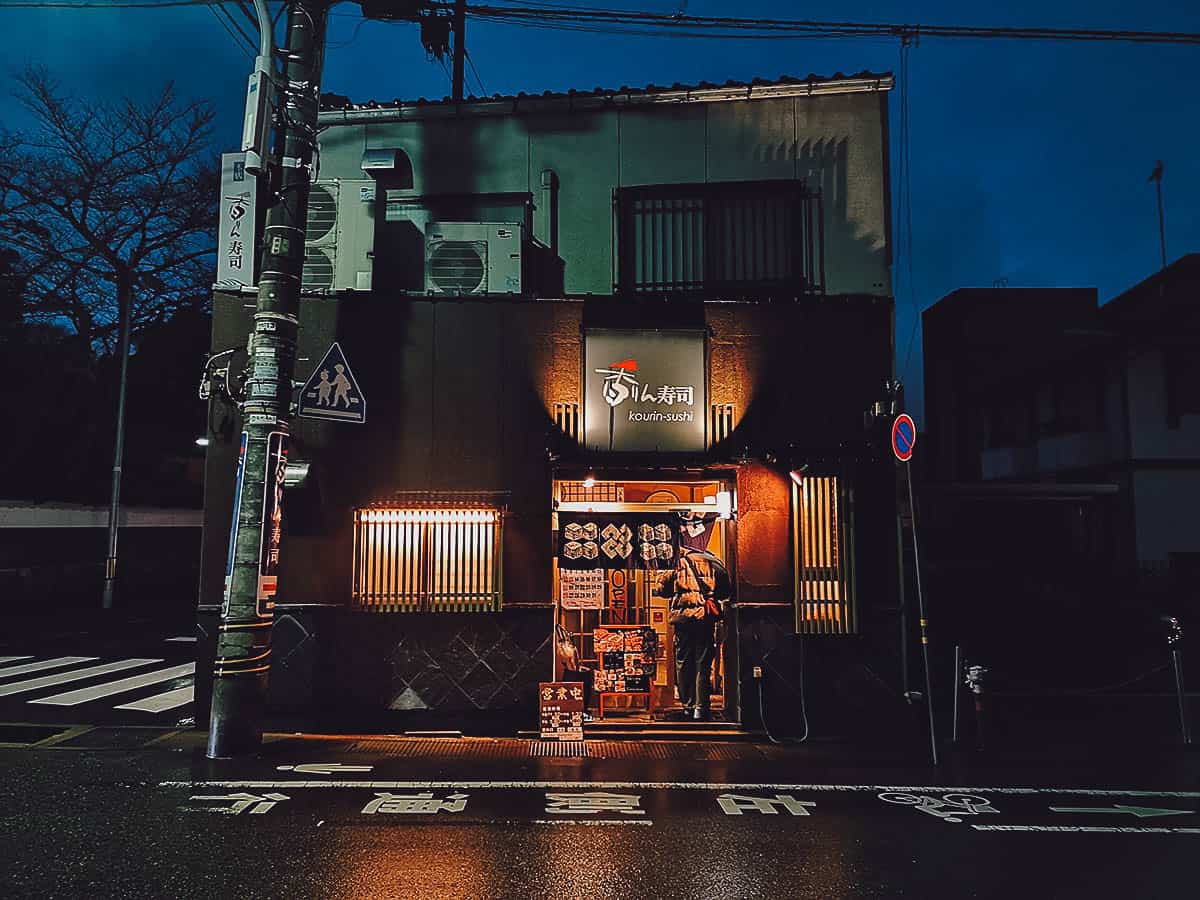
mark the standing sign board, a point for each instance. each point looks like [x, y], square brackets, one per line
[331, 392]
[560, 710]
[644, 390]
[904, 437]
[236, 241]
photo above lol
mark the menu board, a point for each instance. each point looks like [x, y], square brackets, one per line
[581, 589]
[627, 658]
[560, 710]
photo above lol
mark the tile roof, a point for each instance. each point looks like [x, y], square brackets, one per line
[882, 80]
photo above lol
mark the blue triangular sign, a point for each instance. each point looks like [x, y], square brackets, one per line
[331, 392]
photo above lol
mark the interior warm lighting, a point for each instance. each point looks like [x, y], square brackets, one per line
[589, 480]
[464, 516]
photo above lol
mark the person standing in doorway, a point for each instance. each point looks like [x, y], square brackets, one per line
[698, 588]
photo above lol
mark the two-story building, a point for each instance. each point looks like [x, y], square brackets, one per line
[1063, 442]
[584, 330]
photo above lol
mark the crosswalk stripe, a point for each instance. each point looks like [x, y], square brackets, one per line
[44, 664]
[164, 701]
[83, 695]
[4, 659]
[75, 675]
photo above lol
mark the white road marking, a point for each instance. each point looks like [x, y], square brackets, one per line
[592, 822]
[1105, 829]
[183, 639]
[4, 659]
[44, 664]
[323, 768]
[83, 695]
[676, 785]
[164, 701]
[77, 675]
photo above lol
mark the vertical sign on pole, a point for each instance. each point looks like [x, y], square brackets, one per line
[233, 527]
[272, 522]
[904, 438]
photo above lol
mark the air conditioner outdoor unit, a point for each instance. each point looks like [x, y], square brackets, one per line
[463, 258]
[340, 236]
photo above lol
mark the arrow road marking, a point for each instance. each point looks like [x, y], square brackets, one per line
[1142, 812]
[323, 768]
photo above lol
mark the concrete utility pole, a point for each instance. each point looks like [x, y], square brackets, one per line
[243, 657]
[125, 302]
[460, 47]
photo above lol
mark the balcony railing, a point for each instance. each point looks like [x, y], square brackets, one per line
[726, 240]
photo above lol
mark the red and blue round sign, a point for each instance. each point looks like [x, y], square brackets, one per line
[904, 437]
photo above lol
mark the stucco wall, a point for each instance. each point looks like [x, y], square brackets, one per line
[834, 142]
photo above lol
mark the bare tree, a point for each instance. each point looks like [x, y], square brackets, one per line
[108, 205]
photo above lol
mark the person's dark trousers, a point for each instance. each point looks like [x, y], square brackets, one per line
[584, 675]
[694, 650]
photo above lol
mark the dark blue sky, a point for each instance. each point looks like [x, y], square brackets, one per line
[1029, 159]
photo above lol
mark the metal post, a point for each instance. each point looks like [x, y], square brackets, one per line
[243, 652]
[1174, 636]
[904, 685]
[921, 613]
[1162, 228]
[957, 681]
[460, 47]
[125, 301]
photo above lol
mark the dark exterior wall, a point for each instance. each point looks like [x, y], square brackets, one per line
[459, 397]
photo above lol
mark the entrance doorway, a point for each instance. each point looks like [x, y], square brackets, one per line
[613, 612]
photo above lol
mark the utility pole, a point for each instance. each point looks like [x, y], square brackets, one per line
[243, 656]
[460, 47]
[125, 302]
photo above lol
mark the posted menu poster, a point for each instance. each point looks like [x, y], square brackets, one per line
[617, 541]
[560, 710]
[581, 588]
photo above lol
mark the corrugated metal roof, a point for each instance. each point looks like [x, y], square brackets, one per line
[705, 91]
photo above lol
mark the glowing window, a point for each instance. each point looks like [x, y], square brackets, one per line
[823, 555]
[427, 560]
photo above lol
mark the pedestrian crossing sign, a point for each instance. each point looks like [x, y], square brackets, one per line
[331, 392]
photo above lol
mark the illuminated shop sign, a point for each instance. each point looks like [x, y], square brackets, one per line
[644, 390]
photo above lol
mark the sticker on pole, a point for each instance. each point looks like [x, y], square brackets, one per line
[331, 393]
[904, 437]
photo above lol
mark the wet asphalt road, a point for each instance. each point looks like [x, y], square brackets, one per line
[165, 822]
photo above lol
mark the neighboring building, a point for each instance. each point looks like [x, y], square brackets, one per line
[683, 293]
[1038, 396]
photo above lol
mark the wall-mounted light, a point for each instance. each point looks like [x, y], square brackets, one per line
[201, 442]
[589, 480]
[798, 474]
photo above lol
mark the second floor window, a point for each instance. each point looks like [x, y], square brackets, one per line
[722, 239]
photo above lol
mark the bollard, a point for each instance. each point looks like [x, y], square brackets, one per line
[974, 681]
[955, 681]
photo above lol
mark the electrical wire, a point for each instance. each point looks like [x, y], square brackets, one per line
[475, 72]
[229, 29]
[614, 21]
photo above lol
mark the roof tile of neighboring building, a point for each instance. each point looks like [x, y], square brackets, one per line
[705, 90]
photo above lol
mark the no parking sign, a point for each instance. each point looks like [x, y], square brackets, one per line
[904, 437]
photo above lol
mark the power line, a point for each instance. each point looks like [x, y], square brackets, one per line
[614, 20]
[599, 20]
[475, 72]
[229, 29]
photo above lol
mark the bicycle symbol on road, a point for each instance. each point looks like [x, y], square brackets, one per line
[948, 807]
